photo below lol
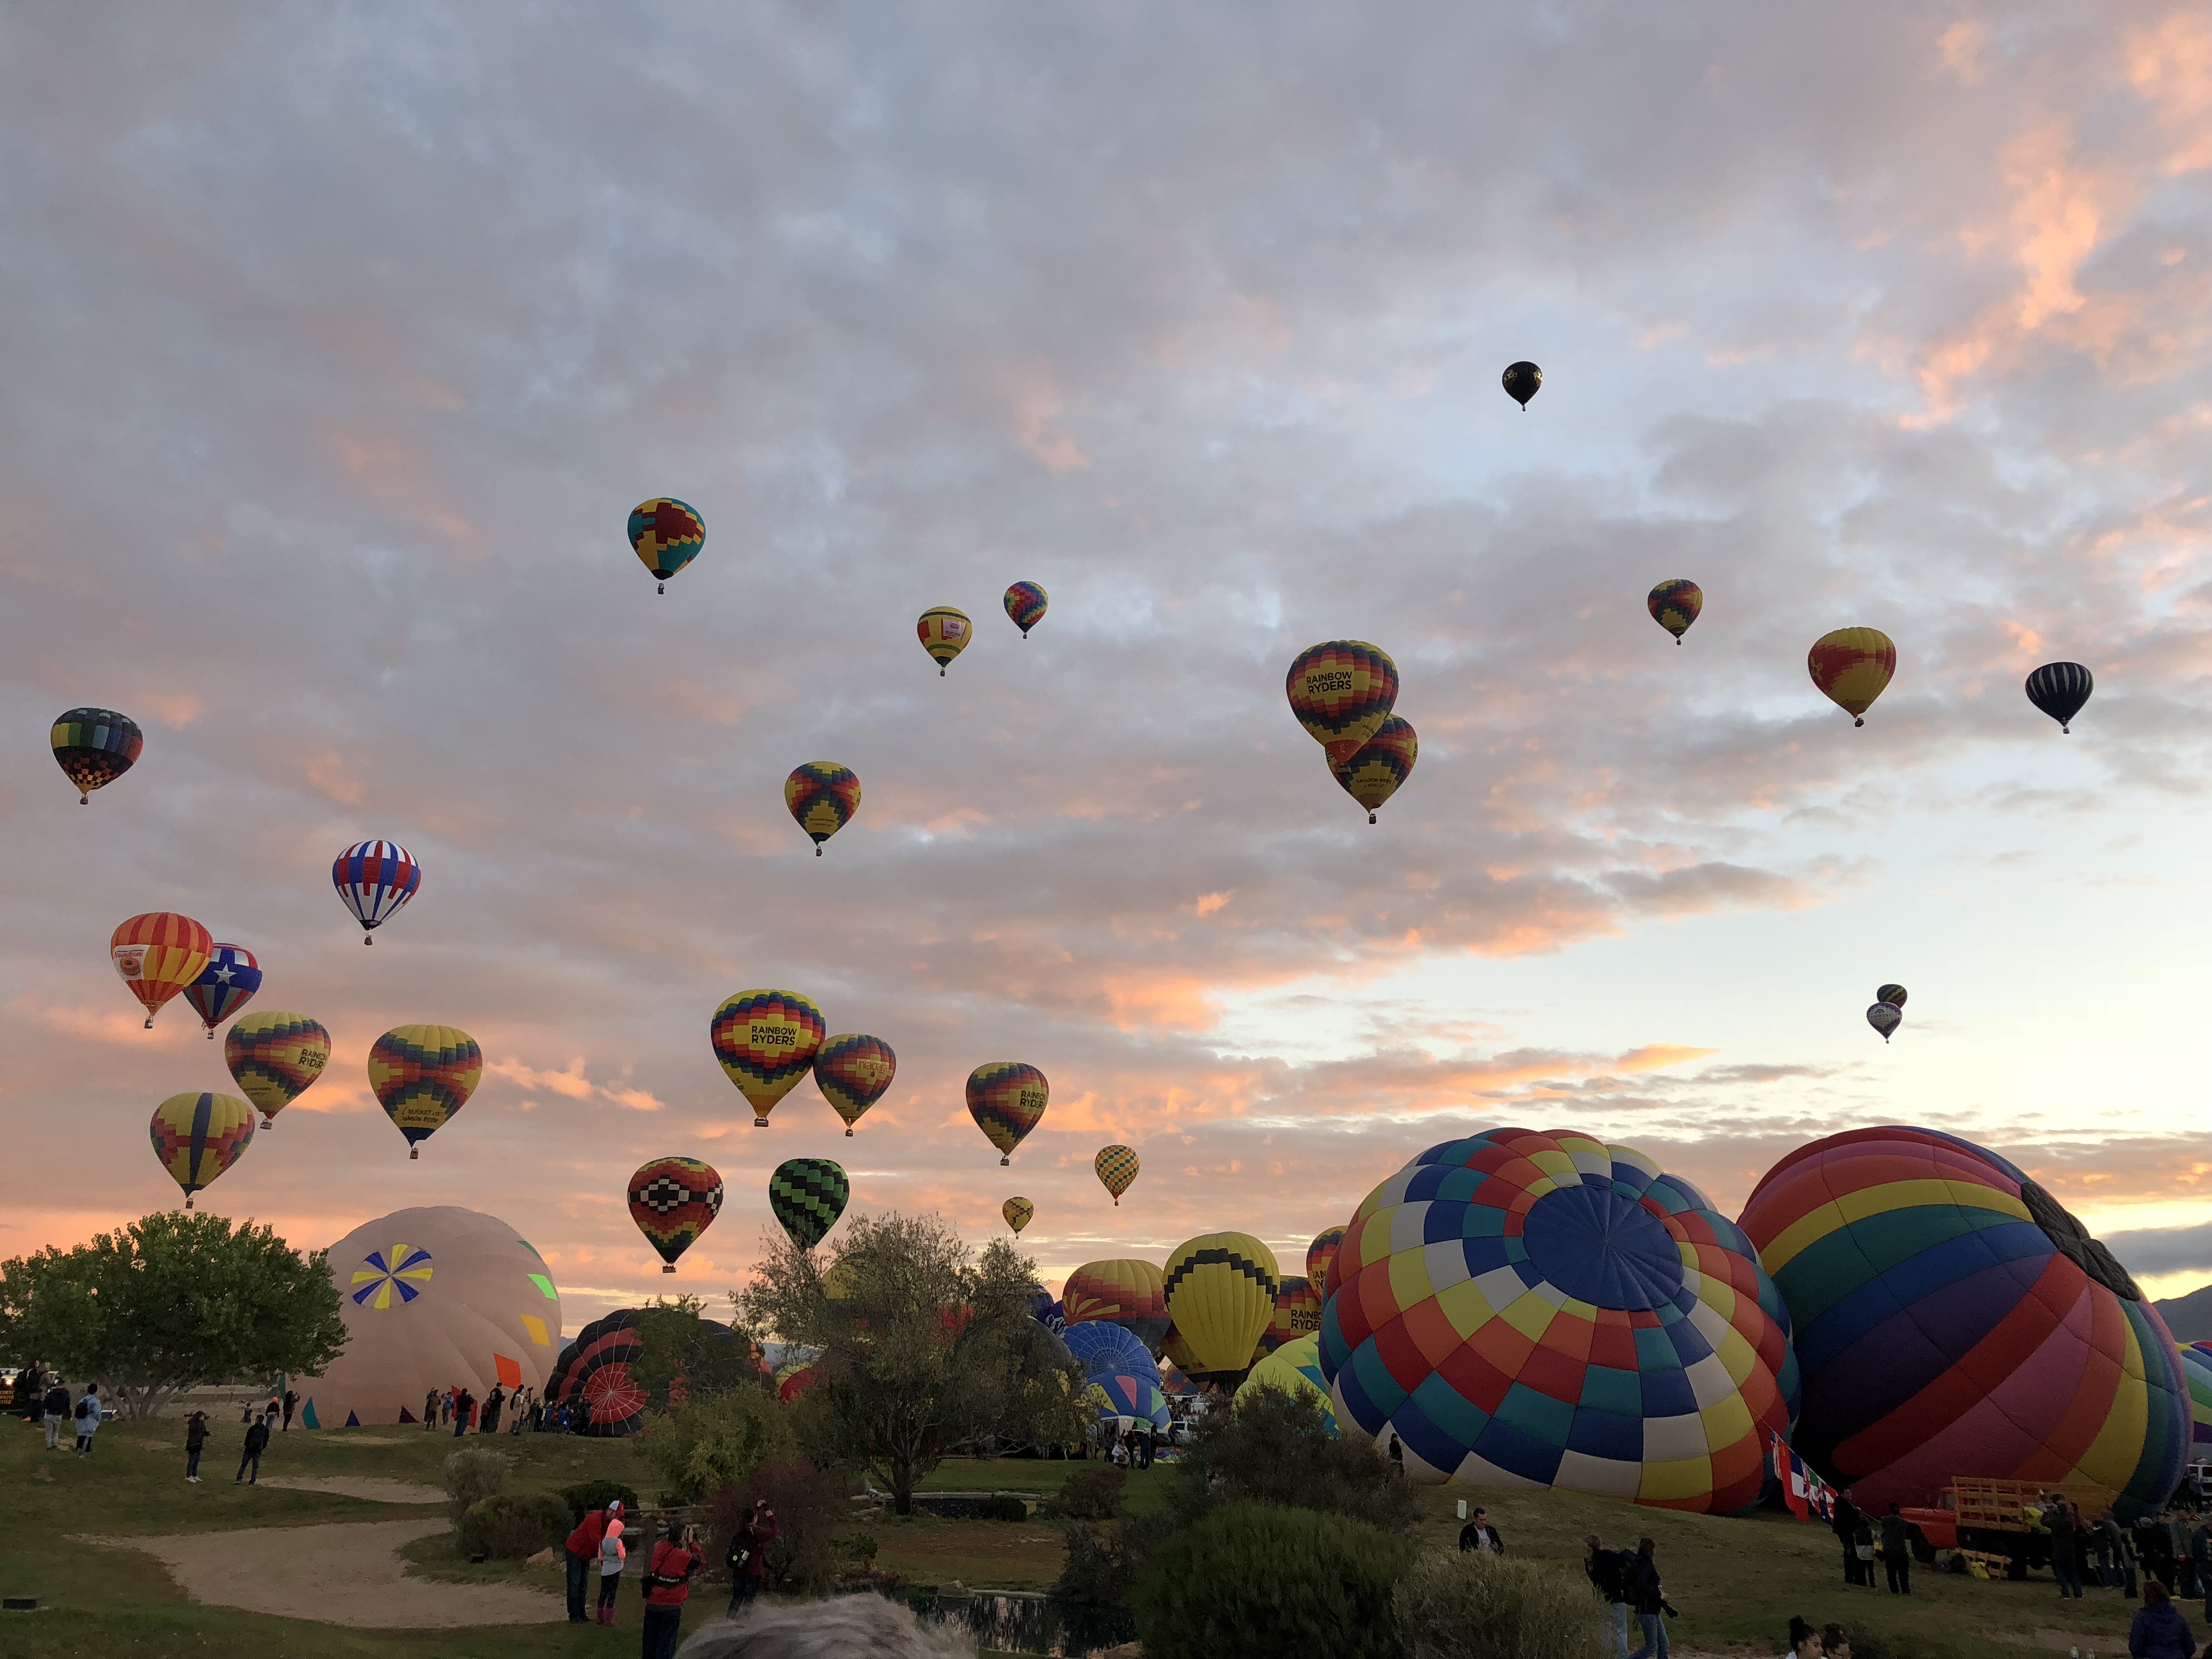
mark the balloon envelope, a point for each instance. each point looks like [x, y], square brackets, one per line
[1852, 666]
[1006, 1098]
[226, 985]
[2197, 1377]
[1098, 1345]
[95, 746]
[943, 632]
[1125, 1291]
[157, 955]
[765, 1041]
[1885, 1018]
[806, 1196]
[2059, 690]
[1018, 1212]
[422, 1075]
[1319, 1255]
[1297, 1313]
[274, 1057]
[1025, 604]
[673, 1201]
[822, 796]
[1295, 1368]
[1891, 994]
[1371, 774]
[666, 535]
[593, 1371]
[374, 879]
[1341, 691]
[1118, 1168]
[1221, 1295]
[1674, 604]
[197, 1136]
[1521, 381]
[852, 1069]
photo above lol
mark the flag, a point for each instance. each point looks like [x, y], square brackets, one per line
[1806, 1494]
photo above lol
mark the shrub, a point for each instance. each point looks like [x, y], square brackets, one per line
[472, 1474]
[588, 1495]
[1276, 1448]
[1257, 1581]
[1102, 1566]
[1473, 1605]
[810, 1508]
[508, 1528]
[1003, 1506]
[704, 1445]
[1092, 1493]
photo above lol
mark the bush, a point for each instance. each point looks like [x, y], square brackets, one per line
[1258, 1581]
[810, 1508]
[472, 1475]
[588, 1495]
[506, 1527]
[1473, 1605]
[1103, 1563]
[1092, 1493]
[1276, 1448]
[704, 1445]
[1003, 1506]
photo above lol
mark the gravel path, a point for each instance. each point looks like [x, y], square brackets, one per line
[375, 1487]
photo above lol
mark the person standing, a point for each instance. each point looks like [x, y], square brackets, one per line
[583, 1549]
[464, 1409]
[87, 1419]
[748, 1556]
[489, 1423]
[1397, 1454]
[195, 1439]
[1651, 1602]
[1478, 1534]
[2065, 1553]
[2159, 1631]
[1844, 1523]
[1897, 1552]
[665, 1588]
[256, 1442]
[611, 1557]
[430, 1411]
[291, 1405]
[58, 1411]
[520, 1403]
[2184, 1581]
[1608, 1573]
[31, 1391]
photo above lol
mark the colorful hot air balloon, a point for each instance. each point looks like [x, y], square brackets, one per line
[1341, 691]
[1006, 1098]
[374, 878]
[1951, 1317]
[1297, 1313]
[1295, 1368]
[422, 1075]
[1125, 1400]
[822, 796]
[673, 1201]
[943, 632]
[807, 1195]
[1892, 994]
[1320, 1255]
[158, 954]
[274, 1057]
[1025, 604]
[1221, 1295]
[1125, 1291]
[226, 985]
[197, 1136]
[1100, 1346]
[1372, 773]
[1852, 666]
[1117, 1167]
[1177, 1357]
[95, 746]
[2196, 1378]
[666, 535]
[1527, 1309]
[1885, 1018]
[1018, 1212]
[765, 1041]
[2059, 690]
[593, 1371]
[853, 1070]
[1674, 604]
[1521, 381]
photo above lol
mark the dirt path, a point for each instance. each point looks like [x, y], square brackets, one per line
[338, 1575]
[375, 1487]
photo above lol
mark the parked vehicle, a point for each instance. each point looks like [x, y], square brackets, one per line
[1997, 1520]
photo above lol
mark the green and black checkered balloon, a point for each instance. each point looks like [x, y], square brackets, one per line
[807, 1195]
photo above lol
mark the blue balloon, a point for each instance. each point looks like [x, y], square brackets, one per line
[1101, 1347]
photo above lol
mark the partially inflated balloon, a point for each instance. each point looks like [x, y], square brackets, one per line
[422, 1075]
[2059, 690]
[1885, 1018]
[1341, 691]
[666, 535]
[226, 985]
[1018, 1212]
[1320, 1255]
[1520, 380]
[95, 746]
[1025, 604]
[158, 954]
[673, 1201]
[197, 1136]
[1852, 666]
[2197, 1377]
[852, 1069]
[1674, 604]
[274, 1057]
[374, 878]
[943, 632]
[1175, 1355]
[1006, 1098]
[822, 796]
[1295, 1368]
[1892, 994]
[1297, 1313]
[1125, 1291]
[765, 1041]
[807, 1195]
[1221, 1295]
[1117, 1167]
[1372, 774]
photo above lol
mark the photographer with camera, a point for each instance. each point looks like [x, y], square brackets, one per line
[748, 1558]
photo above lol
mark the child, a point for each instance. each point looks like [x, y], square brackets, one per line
[87, 1419]
[611, 1557]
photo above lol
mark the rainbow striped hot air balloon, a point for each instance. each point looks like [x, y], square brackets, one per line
[1320, 1255]
[2197, 1377]
[197, 1136]
[765, 1041]
[1295, 1368]
[1953, 1319]
[1372, 774]
[422, 1075]
[666, 535]
[157, 955]
[274, 1057]
[1297, 1313]
[853, 1070]
[1125, 1292]
[1341, 691]
[1006, 1098]
[822, 796]
[1026, 605]
[673, 1201]
[95, 746]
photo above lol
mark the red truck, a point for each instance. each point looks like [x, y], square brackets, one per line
[2000, 1522]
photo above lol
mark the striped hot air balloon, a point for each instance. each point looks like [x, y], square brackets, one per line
[226, 985]
[945, 632]
[274, 1058]
[2197, 1377]
[1025, 604]
[422, 1075]
[853, 1070]
[1006, 1098]
[197, 1136]
[1297, 1313]
[95, 746]
[374, 879]
[1373, 772]
[765, 1041]
[1221, 1295]
[2059, 690]
[1319, 1256]
[1295, 1368]
[1125, 1292]
[157, 955]
[1341, 691]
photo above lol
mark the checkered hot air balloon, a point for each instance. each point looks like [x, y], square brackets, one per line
[1674, 604]
[765, 1041]
[95, 746]
[822, 796]
[806, 1196]
[673, 1201]
[1018, 1212]
[1118, 1168]
[853, 1070]
[666, 535]
[1341, 691]
[1006, 1098]
[374, 879]
[1025, 604]
[1372, 773]
[1952, 1317]
[422, 1075]
[157, 955]
[226, 985]
[197, 1136]
[1542, 1308]
[1221, 1295]
[1320, 1255]
[944, 633]
[274, 1058]
[1852, 666]
[1126, 1290]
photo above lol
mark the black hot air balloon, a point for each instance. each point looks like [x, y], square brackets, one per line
[1521, 381]
[2059, 690]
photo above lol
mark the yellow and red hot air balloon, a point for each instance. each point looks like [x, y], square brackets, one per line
[673, 1201]
[1018, 1212]
[1117, 1167]
[765, 1041]
[1852, 666]
[1374, 771]
[158, 954]
[422, 1075]
[1297, 1313]
[666, 535]
[275, 1057]
[822, 796]
[945, 632]
[1342, 692]
[853, 1070]
[1006, 1098]
[197, 1136]
[1221, 1290]
[1674, 604]
[1126, 1290]
[1320, 1256]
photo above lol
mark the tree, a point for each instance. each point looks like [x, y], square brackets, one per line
[924, 1347]
[1252, 1581]
[702, 1445]
[176, 1300]
[1274, 1447]
[685, 1356]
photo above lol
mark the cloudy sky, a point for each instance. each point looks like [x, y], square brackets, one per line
[336, 341]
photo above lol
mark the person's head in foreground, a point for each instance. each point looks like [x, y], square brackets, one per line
[847, 1627]
[2155, 1594]
[1804, 1640]
[1836, 1643]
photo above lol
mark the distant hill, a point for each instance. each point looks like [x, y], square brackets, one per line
[2188, 1317]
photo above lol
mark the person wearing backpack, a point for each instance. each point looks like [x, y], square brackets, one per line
[612, 1555]
[1609, 1572]
[748, 1558]
[665, 1588]
[87, 1419]
[256, 1442]
[195, 1439]
[58, 1411]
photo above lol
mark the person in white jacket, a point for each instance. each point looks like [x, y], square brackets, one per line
[87, 1419]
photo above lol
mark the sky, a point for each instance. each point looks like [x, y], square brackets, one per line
[338, 340]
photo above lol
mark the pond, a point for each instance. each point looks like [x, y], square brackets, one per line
[1015, 1621]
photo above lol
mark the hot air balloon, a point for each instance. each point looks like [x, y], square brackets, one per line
[1025, 604]
[1295, 1368]
[1950, 1316]
[1885, 1018]
[1372, 774]
[673, 1201]
[1521, 381]
[765, 1041]
[822, 796]
[1674, 604]
[2196, 1378]
[1099, 1347]
[943, 632]
[1018, 1212]
[274, 1057]
[1852, 666]
[226, 985]
[1319, 1255]
[1221, 1295]
[422, 1075]
[1527, 1309]
[853, 1070]
[1006, 1098]
[1341, 691]
[594, 1371]
[197, 1136]
[2059, 690]
[95, 746]
[1892, 994]
[374, 878]
[1117, 1167]
[1177, 1357]
[1126, 1400]
[806, 1196]
[158, 954]
[666, 535]
[1297, 1313]
[1125, 1291]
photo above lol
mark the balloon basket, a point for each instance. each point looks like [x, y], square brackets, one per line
[149, 1022]
[268, 1123]
[668, 1267]
[940, 673]
[664, 587]
[848, 1135]
[188, 1200]
[84, 801]
[210, 1034]
[817, 852]
[760, 1123]
[1370, 817]
[1858, 719]
[368, 938]
[414, 1152]
[1004, 1161]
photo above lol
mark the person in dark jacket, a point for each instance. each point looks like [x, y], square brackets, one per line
[1651, 1602]
[1609, 1571]
[493, 1401]
[31, 1391]
[2065, 1550]
[667, 1582]
[583, 1554]
[1478, 1534]
[430, 1411]
[1844, 1523]
[291, 1405]
[195, 1439]
[57, 1412]
[2159, 1631]
[1897, 1552]
[748, 1556]
[256, 1442]
[464, 1407]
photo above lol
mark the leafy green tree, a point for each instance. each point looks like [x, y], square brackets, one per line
[926, 1347]
[1274, 1447]
[701, 1445]
[686, 1357]
[175, 1300]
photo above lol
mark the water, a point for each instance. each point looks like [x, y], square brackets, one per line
[1024, 1622]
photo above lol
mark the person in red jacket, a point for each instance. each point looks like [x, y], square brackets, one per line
[584, 1555]
[667, 1582]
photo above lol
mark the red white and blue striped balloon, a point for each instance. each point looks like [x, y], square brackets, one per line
[374, 878]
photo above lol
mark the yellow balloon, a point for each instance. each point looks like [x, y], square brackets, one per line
[1221, 1290]
[944, 633]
